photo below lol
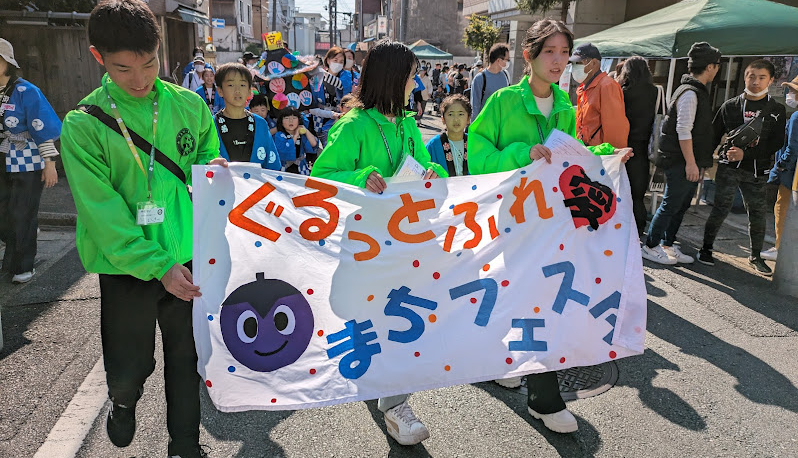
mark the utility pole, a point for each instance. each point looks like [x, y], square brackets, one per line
[403, 21]
[333, 9]
[786, 276]
[274, 15]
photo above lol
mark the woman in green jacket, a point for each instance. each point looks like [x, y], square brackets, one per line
[368, 144]
[508, 134]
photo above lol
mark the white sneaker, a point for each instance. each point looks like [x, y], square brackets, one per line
[770, 254]
[675, 253]
[559, 422]
[402, 425]
[658, 255]
[23, 277]
[512, 382]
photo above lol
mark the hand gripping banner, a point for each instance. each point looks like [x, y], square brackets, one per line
[317, 293]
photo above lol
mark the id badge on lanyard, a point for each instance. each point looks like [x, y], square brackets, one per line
[148, 212]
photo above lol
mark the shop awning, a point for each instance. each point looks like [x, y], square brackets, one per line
[736, 27]
[189, 15]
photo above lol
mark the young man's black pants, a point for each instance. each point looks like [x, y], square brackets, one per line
[637, 169]
[130, 309]
[544, 393]
[20, 193]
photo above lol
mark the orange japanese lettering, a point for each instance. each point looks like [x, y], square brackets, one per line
[410, 210]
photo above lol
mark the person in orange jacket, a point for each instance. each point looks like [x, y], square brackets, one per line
[600, 112]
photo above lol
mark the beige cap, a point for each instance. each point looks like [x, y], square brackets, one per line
[7, 52]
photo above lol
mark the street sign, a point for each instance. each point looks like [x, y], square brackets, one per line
[217, 23]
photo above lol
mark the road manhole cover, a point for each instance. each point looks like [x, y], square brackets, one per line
[582, 382]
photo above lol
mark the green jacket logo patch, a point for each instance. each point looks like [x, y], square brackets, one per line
[185, 142]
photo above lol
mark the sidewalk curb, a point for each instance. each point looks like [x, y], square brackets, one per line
[58, 219]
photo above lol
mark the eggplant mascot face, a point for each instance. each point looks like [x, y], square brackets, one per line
[266, 324]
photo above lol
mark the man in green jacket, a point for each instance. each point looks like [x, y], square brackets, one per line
[135, 216]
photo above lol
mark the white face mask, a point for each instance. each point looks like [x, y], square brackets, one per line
[349, 63]
[335, 67]
[756, 94]
[198, 68]
[790, 100]
[505, 64]
[578, 72]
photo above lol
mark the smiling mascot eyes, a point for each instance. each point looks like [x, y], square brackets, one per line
[247, 326]
[266, 324]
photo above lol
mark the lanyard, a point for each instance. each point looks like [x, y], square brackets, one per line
[385, 140]
[540, 130]
[126, 134]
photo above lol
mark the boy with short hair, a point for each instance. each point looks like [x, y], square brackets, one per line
[259, 104]
[243, 136]
[135, 216]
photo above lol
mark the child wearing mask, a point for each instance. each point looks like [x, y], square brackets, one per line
[193, 79]
[349, 65]
[449, 149]
[295, 143]
[243, 136]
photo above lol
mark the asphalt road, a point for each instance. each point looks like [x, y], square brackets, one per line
[718, 379]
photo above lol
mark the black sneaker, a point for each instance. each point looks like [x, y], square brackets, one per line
[121, 424]
[705, 257]
[759, 265]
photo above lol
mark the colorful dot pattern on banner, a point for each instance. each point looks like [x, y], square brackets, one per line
[299, 81]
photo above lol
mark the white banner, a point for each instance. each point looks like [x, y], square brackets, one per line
[317, 293]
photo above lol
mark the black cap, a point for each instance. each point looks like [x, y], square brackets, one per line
[585, 51]
[248, 55]
[702, 54]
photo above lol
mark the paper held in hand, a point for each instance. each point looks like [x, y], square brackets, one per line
[562, 144]
[409, 170]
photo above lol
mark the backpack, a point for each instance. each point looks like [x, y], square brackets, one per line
[485, 83]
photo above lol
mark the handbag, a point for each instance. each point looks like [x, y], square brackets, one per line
[660, 109]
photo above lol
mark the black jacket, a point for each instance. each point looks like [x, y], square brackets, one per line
[759, 158]
[703, 145]
[640, 100]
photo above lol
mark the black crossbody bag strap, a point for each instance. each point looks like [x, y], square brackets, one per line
[138, 140]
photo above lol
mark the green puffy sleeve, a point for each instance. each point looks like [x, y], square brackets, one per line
[483, 136]
[340, 157]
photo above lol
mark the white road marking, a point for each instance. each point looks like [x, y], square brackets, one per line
[66, 437]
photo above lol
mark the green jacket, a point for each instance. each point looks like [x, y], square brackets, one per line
[355, 147]
[502, 135]
[107, 182]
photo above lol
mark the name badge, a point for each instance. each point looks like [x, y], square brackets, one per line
[149, 213]
[7, 107]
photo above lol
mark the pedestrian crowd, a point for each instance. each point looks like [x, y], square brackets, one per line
[135, 219]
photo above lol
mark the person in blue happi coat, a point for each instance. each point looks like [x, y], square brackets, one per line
[209, 92]
[295, 143]
[243, 136]
[28, 130]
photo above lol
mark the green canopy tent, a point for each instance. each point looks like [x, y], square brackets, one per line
[426, 51]
[736, 27]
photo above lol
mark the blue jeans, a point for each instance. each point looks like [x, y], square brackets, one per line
[679, 193]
